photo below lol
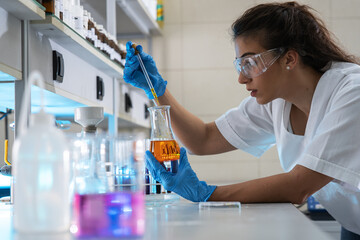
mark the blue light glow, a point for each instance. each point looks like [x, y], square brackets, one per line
[54, 103]
[4, 181]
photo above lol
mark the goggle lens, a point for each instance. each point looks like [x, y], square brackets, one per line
[255, 65]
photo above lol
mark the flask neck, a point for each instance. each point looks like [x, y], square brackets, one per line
[160, 123]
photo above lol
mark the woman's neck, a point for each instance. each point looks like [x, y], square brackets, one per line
[302, 87]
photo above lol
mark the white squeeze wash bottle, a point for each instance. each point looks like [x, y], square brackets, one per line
[41, 172]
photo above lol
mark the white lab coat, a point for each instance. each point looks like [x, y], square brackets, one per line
[331, 144]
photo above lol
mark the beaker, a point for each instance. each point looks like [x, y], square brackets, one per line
[162, 144]
[109, 196]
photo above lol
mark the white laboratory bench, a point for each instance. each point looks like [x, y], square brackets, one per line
[184, 220]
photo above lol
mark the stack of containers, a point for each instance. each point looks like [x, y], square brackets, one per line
[72, 13]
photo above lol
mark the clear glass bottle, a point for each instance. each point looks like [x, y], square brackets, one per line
[109, 198]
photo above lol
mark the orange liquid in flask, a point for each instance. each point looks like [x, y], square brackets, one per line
[166, 150]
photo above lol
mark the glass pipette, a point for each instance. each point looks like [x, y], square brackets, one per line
[155, 100]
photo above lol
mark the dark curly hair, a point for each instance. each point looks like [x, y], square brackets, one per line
[292, 26]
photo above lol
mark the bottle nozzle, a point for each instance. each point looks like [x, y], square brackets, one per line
[6, 169]
[6, 152]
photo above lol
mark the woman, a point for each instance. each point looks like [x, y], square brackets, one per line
[305, 98]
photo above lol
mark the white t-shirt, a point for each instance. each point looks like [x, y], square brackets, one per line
[330, 145]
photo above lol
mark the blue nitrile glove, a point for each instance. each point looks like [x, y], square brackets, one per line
[184, 182]
[135, 76]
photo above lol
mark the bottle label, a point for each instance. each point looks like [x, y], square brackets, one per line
[160, 13]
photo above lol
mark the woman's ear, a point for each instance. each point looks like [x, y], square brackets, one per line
[290, 59]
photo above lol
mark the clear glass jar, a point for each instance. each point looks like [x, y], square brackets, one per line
[109, 195]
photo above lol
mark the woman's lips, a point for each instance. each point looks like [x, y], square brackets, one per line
[253, 93]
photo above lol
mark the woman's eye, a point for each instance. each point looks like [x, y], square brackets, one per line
[249, 63]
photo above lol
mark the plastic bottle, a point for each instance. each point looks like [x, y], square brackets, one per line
[41, 174]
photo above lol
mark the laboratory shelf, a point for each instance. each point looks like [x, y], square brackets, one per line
[8, 73]
[137, 15]
[133, 20]
[59, 32]
[57, 100]
[24, 9]
[62, 104]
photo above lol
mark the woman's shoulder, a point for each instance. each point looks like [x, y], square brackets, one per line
[340, 75]
[341, 83]
[342, 68]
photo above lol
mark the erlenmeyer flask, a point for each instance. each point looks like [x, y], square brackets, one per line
[163, 144]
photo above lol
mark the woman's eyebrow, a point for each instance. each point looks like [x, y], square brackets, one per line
[246, 54]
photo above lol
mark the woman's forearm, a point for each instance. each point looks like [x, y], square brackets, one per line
[198, 137]
[186, 126]
[256, 191]
[295, 187]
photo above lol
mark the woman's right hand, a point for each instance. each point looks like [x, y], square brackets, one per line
[134, 75]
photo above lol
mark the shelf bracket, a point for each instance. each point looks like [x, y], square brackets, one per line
[111, 16]
[21, 84]
[113, 119]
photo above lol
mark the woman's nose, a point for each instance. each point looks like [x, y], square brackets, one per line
[242, 79]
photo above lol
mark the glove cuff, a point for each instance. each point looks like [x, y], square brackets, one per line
[211, 190]
[205, 190]
[159, 87]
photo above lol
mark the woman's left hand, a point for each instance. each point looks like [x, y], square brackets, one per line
[184, 182]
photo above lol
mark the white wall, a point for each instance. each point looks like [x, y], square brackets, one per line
[195, 56]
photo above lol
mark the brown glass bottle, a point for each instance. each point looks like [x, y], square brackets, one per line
[49, 6]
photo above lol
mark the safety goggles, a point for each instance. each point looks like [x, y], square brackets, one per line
[255, 65]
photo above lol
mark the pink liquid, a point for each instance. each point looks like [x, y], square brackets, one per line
[119, 214]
